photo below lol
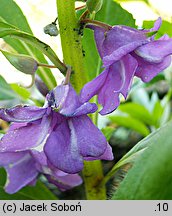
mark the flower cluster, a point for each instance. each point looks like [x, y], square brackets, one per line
[52, 140]
[126, 52]
[55, 139]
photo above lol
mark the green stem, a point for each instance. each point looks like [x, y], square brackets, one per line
[97, 23]
[71, 42]
[72, 53]
[93, 175]
[46, 65]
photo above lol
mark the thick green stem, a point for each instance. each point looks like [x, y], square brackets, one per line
[71, 42]
[93, 175]
[72, 53]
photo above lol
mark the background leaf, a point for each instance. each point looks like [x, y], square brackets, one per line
[129, 122]
[157, 113]
[137, 111]
[22, 92]
[38, 192]
[151, 176]
[6, 92]
[113, 14]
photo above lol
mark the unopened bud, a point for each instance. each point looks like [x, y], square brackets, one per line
[51, 29]
[41, 86]
[94, 5]
[23, 63]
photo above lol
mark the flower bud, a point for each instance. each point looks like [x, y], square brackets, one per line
[94, 5]
[23, 63]
[41, 86]
[51, 29]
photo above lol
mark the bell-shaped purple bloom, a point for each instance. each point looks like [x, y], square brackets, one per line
[24, 167]
[61, 129]
[126, 52]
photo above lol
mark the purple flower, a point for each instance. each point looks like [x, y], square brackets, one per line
[126, 52]
[24, 167]
[61, 129]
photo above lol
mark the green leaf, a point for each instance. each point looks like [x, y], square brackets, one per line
[94, 5]
[131, 123]
[166, 114]
[11, 13]
[151, 176]
[6, 92]
[140, 96]
[22, 92]
[38, 192]
[112, 14]
[129, 158]
[137, 111]
[157, 113]
[92, 60]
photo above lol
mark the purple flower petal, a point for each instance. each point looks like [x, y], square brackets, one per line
[10, 158]
[41, 161]
[65, 181]
[107, 155]
[117, 42]
[88, 138]
[22, 114]
[92, 88]
[130, 66]
[120, 36]
[147, 71]
[20, 173]
[85, 109]
[62, 180]
[62, 150]
[156, 27]
[65, 99]
[17, 125]
[157, 24]
[122, 51]
[155, 51]
[119, 79]
[109, 104]
[164, 37]
[99, 34]
[29, 136]
[121, 40]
